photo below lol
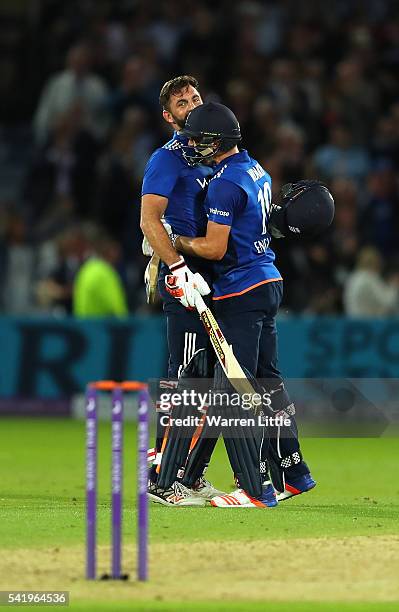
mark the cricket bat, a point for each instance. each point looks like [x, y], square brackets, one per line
[151, 278]
[223, 350]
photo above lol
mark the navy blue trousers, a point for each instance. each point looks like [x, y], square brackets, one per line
[248, 322]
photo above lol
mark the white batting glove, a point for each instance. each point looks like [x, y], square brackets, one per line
[201, 285]
[183, 285]
[146, 248]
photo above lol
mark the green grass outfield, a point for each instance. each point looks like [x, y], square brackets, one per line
[42, 502]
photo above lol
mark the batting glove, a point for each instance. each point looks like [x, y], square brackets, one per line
[183, 285]
[146, 248]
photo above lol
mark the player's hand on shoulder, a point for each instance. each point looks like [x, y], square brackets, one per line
[167, 227]
[183, 285]
[172, 236]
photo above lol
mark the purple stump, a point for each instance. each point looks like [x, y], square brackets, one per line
[91, 482]
[116, 478]
[142, 484]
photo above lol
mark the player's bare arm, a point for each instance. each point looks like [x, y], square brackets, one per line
[212, 246]
[152, 209]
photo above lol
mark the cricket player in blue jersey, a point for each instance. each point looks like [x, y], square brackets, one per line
[247, 293]
[172, 196]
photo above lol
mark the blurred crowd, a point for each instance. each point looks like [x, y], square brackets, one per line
[315, 90]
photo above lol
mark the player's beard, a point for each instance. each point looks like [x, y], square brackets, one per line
[179, 122]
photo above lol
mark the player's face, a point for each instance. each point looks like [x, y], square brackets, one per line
[180, 105]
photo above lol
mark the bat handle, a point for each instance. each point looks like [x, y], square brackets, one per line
[199, 303]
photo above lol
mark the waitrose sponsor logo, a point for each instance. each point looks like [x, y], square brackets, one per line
[216, 211]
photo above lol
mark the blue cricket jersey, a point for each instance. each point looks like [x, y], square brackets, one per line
[239, 195]
[168, 174]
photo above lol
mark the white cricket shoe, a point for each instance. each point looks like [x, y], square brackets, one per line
[177, 495]
[240, 499]
[205, 489]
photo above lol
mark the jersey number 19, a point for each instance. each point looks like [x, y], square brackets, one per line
[264, 199]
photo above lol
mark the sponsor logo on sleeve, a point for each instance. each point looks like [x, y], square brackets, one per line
[222, 213]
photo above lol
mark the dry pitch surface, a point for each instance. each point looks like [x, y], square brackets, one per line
[314, 569]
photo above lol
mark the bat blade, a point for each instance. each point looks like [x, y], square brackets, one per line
[151, 278]
[223, 350]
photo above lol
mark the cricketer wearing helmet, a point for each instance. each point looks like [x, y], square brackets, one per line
[247, 294]
[172, 197]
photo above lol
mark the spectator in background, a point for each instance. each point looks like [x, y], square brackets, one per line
[61, 179]
[240, 97]
[74, 87]
[263, 128]
[199, 47]
[344, 238]
[138, 140]
[340, 157]
[288, 159]
[166, 30]
[138, 86]
[311, 84]
[98, 290]
[283, 86]
[380, 218]
[119, 180]
[18, 266]
[323, 294]
[366, 293]
[54, 291]
[354, 98]
[386, 137]
[267, 24]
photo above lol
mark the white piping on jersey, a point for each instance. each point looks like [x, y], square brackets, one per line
[173, 146]
[219, 173]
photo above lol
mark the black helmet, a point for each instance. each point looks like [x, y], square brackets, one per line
[208, 125]
[302, 208]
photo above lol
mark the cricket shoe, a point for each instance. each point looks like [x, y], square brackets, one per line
[205, 489]
[176, 495]
[240, 499]
[299, 485]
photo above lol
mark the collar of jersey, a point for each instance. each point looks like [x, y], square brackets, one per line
[233, 159]
[179, 137]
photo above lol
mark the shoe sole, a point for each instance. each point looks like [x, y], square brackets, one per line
[199, 503]
[245, 506]
[284, 496]
[234, 506]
